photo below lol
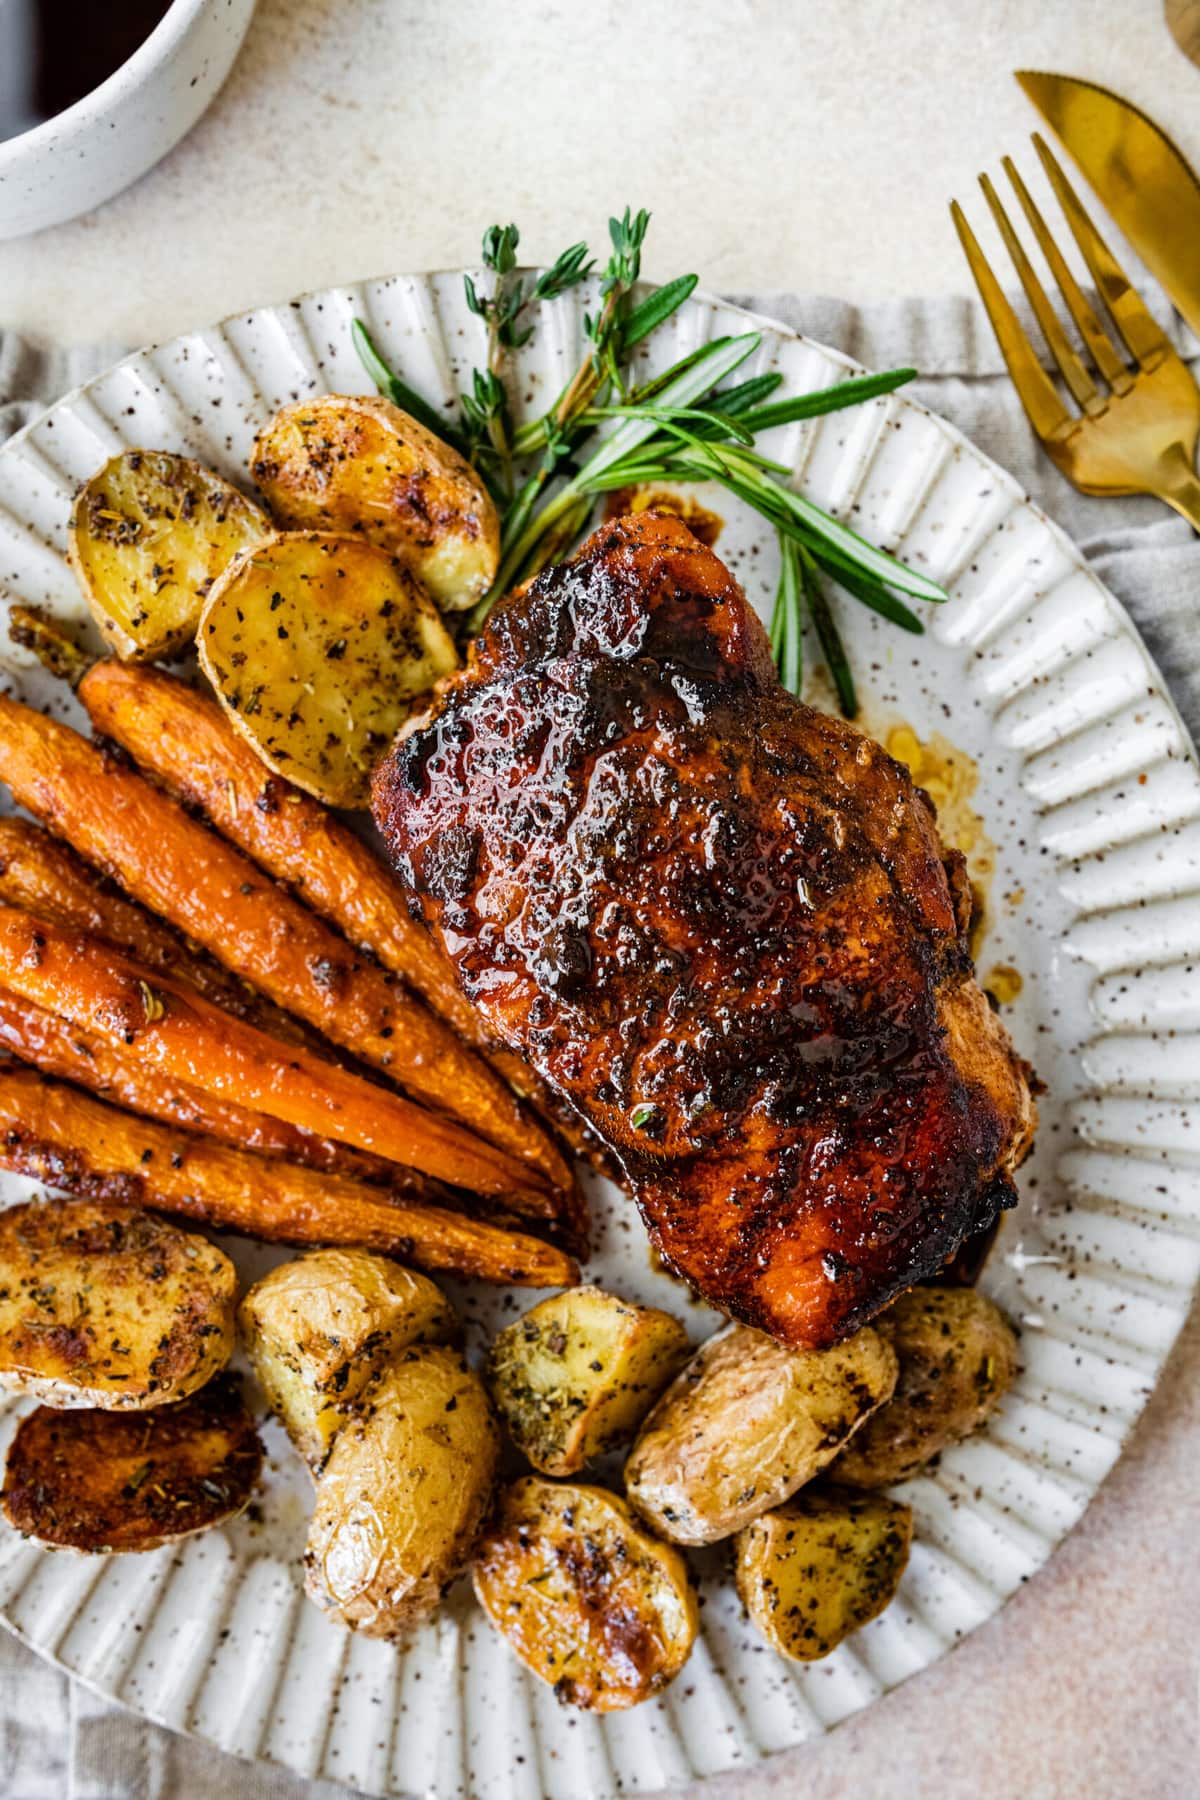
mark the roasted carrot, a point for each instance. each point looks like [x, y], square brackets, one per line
[184, 1037]
[183, 737]
[133, 831]
[40, 875]
[56, 1048]
[69, 1140]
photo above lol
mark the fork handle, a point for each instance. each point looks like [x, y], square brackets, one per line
[1180, 486]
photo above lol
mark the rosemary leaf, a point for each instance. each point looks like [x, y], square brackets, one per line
[393, 388]
[654, 310]
[850, 547]
[740, 399]
[828, 635]
[787, 641]
[852, 392]
[870, 593]
[696, 378]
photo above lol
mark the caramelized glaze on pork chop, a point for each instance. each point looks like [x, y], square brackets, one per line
[722, 925]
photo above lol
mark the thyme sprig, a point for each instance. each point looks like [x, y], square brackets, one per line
[487, 419]
[680, 426]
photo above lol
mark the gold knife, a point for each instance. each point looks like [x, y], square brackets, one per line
[1143, 179]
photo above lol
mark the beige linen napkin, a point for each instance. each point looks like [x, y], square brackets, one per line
[57, 1742]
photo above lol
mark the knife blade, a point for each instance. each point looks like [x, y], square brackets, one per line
[1142, 178]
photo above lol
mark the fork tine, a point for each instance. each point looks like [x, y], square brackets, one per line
[1147, 343]
[1079, 306]
[1037, 393]
[1061, 349]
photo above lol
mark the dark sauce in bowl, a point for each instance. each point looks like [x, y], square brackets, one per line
[53, 52]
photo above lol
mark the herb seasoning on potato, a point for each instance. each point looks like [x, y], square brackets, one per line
[958, 1356]
[404, 1493]
[318, 1329]
[150, 533]
[102, 1305]
[103, 1482]
[317, 647]
[814, 1570]
[351, 462]
[577, 1374]
[583, 1593]
[746, 1424]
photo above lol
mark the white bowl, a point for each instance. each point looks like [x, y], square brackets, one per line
[85, 155]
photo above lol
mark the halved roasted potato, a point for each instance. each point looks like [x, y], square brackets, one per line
[319, 1329]
[814, 1570]
[103, 1481]
[587, 1598]
[403, 1495]
[746, 1424]
[149, 535]
[353, 462]
[958, 1356]
[102, 1305]
[576, 1375]
[317, 647]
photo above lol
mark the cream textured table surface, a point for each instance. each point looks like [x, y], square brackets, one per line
[809, 146]
[801, 144]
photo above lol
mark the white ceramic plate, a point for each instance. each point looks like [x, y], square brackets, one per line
[1088, 788]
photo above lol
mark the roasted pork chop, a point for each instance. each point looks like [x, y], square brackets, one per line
[722, 925]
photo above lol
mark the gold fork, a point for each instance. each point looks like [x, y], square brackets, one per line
[1138, 413]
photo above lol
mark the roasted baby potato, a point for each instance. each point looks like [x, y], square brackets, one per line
[577, 1374]
[403, 1495]
[320, 1328]
[958, 1355]
[587, 1598]
[746, 1424]
[102, 1305]
[149, 535]
[814, 1570]
[317, 646]
[105, 1481]
[355, 463]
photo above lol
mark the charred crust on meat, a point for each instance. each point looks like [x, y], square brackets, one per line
[690, 899]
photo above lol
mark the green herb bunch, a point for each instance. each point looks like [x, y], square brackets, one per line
[605, 431]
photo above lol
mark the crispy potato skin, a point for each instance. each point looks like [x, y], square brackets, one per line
[575, 1376]
[318, 1330]
[958, 1357]
[317, 646]
[403, 1495]
[585, 1596]
[105, 1306]
[149, 534]
[355, 463]
[817, 1568]
[54, 1133]
[101, 1481]
[746, 1424]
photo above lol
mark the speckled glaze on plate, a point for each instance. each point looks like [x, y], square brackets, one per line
[1090, 794]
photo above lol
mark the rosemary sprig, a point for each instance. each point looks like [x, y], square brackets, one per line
[486, 415]
[679, 426]
[512, 296]
[611, 333]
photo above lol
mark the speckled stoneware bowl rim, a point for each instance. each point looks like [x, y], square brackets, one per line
[141, 66]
